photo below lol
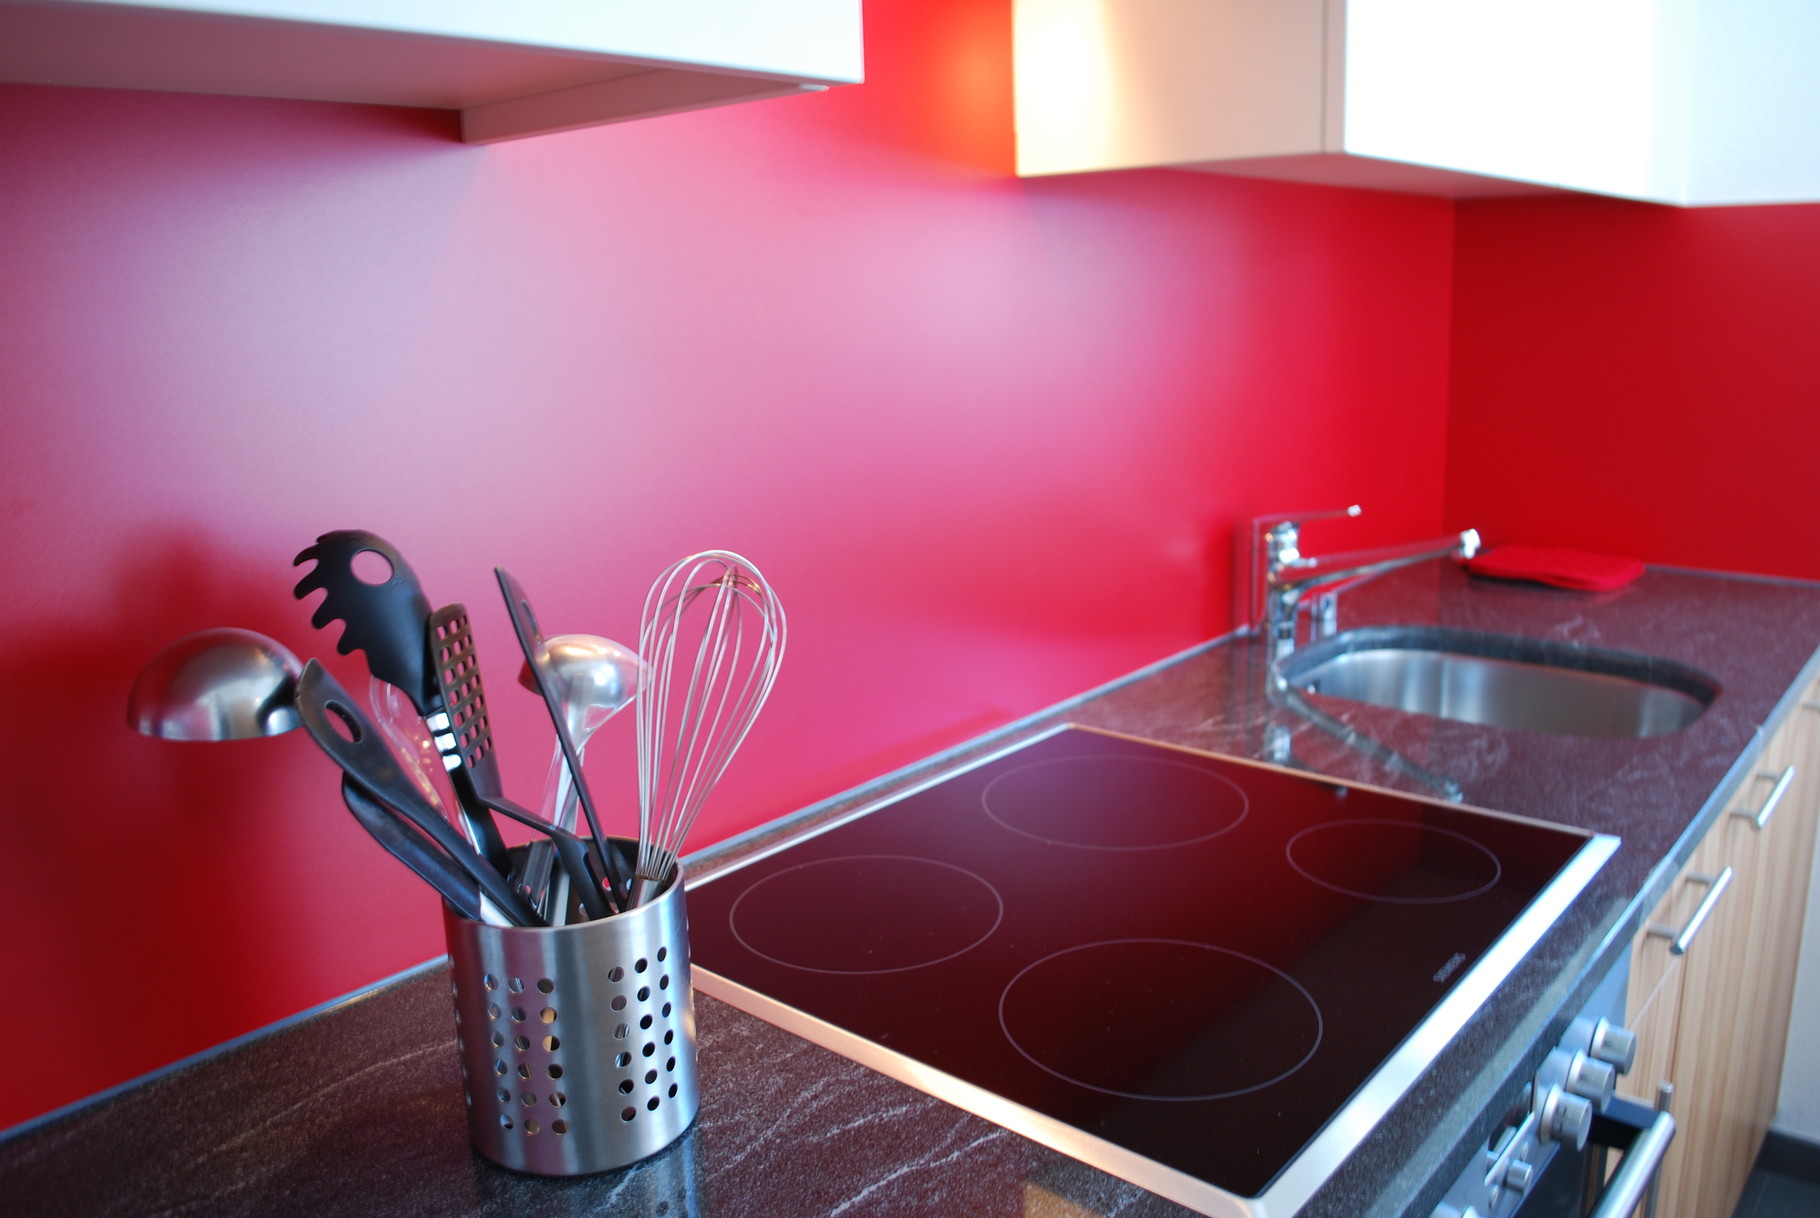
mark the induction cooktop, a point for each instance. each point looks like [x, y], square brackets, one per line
[1208, 976]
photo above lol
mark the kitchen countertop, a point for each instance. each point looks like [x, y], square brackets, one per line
[356, 1108]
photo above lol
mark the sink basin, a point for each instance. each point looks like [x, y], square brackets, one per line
[1504, 681]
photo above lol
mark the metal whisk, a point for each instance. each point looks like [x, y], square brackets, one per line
[713, 636]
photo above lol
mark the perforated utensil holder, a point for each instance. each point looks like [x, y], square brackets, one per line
[577, 1042]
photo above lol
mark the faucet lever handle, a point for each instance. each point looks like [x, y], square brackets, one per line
[1248, 587]
[1272, 520]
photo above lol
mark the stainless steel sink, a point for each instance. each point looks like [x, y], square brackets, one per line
[1504, 681]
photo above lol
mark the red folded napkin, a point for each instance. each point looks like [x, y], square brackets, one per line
[1557, 566]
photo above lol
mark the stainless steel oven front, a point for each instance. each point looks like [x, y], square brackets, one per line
[1549, 1156]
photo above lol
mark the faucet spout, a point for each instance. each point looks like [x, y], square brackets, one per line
[1358, 566]
[1288, 576]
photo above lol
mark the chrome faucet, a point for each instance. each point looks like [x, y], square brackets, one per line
[1285, 577]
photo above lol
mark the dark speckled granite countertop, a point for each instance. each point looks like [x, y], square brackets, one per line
[356, 1108]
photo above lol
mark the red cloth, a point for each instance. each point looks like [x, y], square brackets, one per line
[1558, 566]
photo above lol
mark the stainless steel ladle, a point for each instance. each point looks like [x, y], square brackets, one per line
[220, 684]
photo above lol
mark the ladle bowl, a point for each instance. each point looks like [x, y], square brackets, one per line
[220, 684]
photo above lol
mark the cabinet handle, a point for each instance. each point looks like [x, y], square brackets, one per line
[1761, 818]
[1684, 938]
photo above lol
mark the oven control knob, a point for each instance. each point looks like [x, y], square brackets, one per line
[1565, 1118]
[1593, 1080]
[1614, 1045]
[1519, 1176]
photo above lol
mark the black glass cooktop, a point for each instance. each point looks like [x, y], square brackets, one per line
[1195, 962]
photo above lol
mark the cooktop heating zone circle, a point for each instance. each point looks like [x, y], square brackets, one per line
[1161, 1019]
[1393, 861]
[1111, 802]
[804, 917]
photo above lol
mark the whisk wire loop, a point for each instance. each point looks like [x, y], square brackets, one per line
[690, 725]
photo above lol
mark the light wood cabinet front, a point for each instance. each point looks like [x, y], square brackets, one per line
[1714, 1022]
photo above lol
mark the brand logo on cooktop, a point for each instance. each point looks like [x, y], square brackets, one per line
[1451, 967]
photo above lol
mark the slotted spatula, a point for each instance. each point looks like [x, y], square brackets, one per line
[465, 735]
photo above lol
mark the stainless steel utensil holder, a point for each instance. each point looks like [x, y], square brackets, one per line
[577, 1042]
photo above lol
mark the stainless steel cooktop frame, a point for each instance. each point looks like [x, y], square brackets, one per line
[1338, 1138]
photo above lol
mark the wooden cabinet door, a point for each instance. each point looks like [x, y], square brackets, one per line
[1653, 1001]
[1784, 852]
[1709, 971]
[1729, 1022]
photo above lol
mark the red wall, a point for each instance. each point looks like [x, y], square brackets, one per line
[1637, 379]
[987, 437]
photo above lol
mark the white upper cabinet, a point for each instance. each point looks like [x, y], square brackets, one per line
[1692, 102]
[512, 67]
